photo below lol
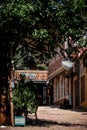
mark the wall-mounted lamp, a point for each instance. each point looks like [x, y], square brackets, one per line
[67, 64]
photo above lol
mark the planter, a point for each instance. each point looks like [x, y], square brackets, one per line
[19, 120]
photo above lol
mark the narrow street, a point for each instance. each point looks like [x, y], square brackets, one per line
[53, 118]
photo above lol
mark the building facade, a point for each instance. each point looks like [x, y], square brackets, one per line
[61, 81]
[69, 86]
[83, 80]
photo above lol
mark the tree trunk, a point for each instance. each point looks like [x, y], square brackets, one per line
[4, 90]
[4, 101]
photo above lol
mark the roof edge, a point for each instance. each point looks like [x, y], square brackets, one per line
[58, 71]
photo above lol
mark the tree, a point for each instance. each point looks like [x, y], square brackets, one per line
[71, 22]
[39, 27]
[24, 61]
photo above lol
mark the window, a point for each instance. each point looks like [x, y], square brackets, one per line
[62, 87]
[55, 89]
[66, 86]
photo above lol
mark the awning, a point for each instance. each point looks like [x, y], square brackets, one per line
[58, 71]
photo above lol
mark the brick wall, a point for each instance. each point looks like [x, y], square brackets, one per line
[56, 65]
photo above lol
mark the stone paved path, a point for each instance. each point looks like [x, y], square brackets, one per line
[53, 118]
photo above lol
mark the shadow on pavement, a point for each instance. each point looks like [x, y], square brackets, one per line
[79, 110]
[48, 123]
[68, 109]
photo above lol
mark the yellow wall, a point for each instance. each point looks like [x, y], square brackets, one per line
[84, 104]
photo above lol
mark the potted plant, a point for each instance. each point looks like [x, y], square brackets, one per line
[25, 98]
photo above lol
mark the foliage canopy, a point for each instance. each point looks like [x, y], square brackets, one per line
[41, 26]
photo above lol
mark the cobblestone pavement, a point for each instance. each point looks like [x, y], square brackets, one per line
[53, 118]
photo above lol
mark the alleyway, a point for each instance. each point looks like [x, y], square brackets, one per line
[53, 118]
